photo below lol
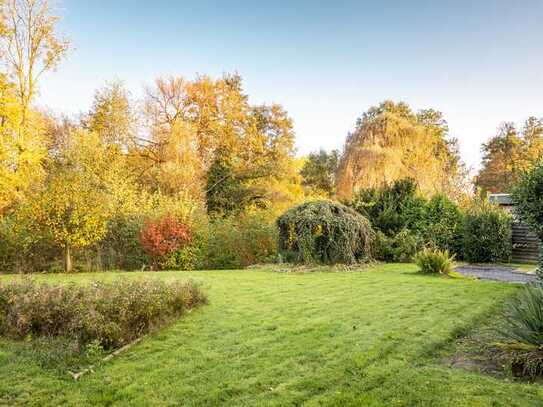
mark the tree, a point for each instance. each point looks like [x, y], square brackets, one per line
[30, 45]
[508, 154]
[21, 151]
[390, 141]
[191, 121]
[112, 116]
[319, 171]
[226, 193]
[86, 185]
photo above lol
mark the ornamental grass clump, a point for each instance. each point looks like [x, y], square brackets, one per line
[111, 314]
[523, 332]
[324, 232]
[434, 261]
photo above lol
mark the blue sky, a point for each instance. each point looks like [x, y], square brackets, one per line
[479, 62]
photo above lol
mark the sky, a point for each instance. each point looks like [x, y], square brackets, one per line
[478, 62]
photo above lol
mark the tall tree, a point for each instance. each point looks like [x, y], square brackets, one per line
[30, 45]
[21, 151]
[390, 142]
[509, 154]
[190, 121]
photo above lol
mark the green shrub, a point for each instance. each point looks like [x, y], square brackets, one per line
[120, 249]
[434, 261]
[524, 331]
[324, 232]
[238, 242]
[399, 248]
[111, 313]
[486, 234]
[443, 224]
[392, 207]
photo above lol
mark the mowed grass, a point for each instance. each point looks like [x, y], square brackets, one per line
[369, 338]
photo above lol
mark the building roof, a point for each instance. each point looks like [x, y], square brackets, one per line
[501, 199]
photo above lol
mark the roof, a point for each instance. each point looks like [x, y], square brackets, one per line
[501, 199]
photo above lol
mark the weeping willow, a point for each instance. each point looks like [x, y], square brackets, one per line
[391, 142]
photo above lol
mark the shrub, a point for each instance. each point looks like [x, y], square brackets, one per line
[434, 261]
[238, 242]
[399, 248]
[111, 313]
[324, 232]
[391, 207]
[443, 224]
[528, 195]
[524, 331]
[160, 238]
[120, 248]
[486, 234]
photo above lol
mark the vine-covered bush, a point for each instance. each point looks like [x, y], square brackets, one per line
[486, 234]
[111, 313]
[324, 232]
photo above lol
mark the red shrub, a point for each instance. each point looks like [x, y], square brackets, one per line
[159, 238]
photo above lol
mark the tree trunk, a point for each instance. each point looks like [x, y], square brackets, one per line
[67, 259]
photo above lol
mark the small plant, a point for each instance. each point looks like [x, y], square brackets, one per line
[523, 331]
[434, 261]
[162, 237]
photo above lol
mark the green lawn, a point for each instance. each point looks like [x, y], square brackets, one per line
[369, 338]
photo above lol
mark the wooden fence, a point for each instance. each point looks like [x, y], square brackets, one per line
[525, 244]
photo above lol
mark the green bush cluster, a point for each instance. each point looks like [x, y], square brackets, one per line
[405, 223]
[324, 232]
[486, 236]
[223, 243]
[112, 314]
[232, 242]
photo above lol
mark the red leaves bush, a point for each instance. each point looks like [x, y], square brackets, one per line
[160, 238]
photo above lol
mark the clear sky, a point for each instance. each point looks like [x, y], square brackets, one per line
[479, 62]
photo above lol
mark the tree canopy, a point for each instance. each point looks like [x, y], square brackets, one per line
[390, 141]
[509, 154]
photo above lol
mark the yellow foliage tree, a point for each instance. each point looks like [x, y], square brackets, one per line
[392, 142]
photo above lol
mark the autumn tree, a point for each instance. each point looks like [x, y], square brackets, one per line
[30, 45]
[112, 115]
[21, 152]
[191, 120]
[509, 154]
[319, 171]
[87, 183]
[390, 142]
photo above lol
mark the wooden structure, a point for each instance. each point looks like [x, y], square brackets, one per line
[525, 242]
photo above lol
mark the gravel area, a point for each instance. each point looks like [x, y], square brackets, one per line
[497, 273]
